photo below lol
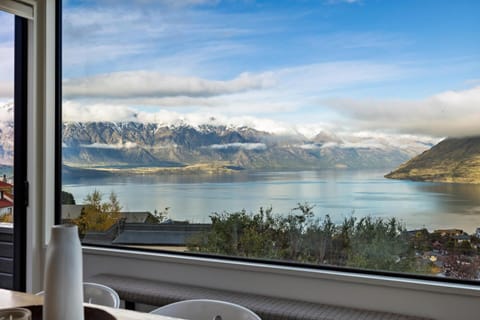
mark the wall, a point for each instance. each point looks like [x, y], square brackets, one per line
[6, 256]
[419, 298]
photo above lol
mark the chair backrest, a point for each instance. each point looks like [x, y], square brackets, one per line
[97, 294]
[203, 309]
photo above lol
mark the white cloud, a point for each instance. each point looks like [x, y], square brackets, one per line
[80, 112]
[6, 111]
[154, 84]
[450, 113]
[120, 145]
[76, 112]
[6, 89]
[411, 144]
[274, 91]
[239, 145]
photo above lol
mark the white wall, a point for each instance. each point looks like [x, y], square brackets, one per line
[419, 298]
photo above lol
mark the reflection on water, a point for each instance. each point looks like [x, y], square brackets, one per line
[334, 192]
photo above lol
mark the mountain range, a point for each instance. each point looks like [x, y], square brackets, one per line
[452, 160]
[6, 134]
[185, 147]
[133, 144]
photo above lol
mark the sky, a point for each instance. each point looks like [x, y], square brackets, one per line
[6, 60]
[387, 67]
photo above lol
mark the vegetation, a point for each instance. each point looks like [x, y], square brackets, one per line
[6, 217]
[67, 198]
[159, 216]
[369, 243]
[98, 215]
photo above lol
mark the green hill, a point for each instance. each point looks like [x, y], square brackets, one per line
[455, 160]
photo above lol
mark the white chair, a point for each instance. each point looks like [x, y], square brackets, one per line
[97, 294]
[203, 309]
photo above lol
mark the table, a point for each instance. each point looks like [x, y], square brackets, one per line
[10, 299]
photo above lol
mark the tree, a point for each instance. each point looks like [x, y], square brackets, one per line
[6, 217]
[380, 245]
[298, 236]
[159, 216]
[98, 215]
[67, 198]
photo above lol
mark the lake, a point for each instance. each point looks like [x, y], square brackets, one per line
[339, 193]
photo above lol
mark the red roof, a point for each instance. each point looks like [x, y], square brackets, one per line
[5, 184]
[4, 203]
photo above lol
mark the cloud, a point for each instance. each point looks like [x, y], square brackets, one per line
[6, 111]
[239, 145]
[80, 112]
[166, 36]
[120, 145]
[271, 91]
[449, 113]
[411, 144]
[155, 84]
[6, 89]
[76, 112]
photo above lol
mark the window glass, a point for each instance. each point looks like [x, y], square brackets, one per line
[6, 120]
[7, 218]
[326, 133]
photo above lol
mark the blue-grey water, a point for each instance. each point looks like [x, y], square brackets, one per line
[338, 193]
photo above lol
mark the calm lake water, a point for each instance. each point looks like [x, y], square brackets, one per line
[338, 193]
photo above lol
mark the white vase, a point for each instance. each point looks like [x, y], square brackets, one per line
[63, 279]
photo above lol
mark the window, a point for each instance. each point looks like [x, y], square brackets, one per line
[13, 104]
[338, 134]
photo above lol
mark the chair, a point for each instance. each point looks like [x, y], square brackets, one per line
[98, 294]
[203, 309]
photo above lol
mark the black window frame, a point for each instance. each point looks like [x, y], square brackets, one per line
[20, 154]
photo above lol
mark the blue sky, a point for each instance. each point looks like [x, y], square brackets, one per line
[6, 58]
[409, 66]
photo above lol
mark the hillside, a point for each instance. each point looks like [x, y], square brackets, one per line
[452, 160]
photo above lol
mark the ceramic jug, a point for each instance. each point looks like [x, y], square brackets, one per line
[63, 279]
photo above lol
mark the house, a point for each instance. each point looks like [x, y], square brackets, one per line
[138, 217]
[6, 197]
[6, 203]
[71, 211]
[449, 232]
[461, 238]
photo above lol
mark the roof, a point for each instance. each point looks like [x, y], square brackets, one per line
[136, 216]
[8, 196]
[4, 184]
[4, 203]
[71, 211]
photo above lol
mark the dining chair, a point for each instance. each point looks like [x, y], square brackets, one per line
[98, 294]
[204, 309]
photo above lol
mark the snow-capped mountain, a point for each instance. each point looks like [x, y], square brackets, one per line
[153, 144]
[6, 134]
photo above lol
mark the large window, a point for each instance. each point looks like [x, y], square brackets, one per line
[339, 134]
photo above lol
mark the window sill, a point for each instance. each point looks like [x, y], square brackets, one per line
[346, 277]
